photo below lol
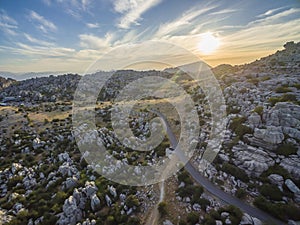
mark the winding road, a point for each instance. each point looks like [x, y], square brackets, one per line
[214, 189]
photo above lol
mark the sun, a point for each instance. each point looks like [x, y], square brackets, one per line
[208, 43]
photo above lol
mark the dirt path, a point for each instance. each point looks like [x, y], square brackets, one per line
[154, 215]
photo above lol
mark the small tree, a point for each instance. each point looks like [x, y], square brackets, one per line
[162, 208]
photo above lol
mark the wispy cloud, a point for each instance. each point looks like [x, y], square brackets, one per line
[76, 8]
[7, 24]
[43, 51]
[225, 11]
[47, 2]
[132, 11]
[43, 24]
[37, 41]
[276, 17]
[183, 21]
[92, 25]
[91, 41]
[270, 12]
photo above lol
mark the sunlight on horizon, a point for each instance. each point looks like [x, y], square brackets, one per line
[208, 43]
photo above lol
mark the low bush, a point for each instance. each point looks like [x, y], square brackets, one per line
[259, 110]
[162, 208]
[282, 89]
[287, 149]
[241, 193]
[271, 191]
[279, 210]
[235, 171]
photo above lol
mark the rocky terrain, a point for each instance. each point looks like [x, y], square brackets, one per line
[5, 82]
[45, 180]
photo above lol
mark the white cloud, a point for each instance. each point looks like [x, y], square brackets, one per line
[93, 42]
[270, 12]
[92, 25]
[7, 24]
[43, 24]
[37, 41]
[76, 8]
[276, 17]
[132, 10]
[47, 2]
[183, 21]
[225, 11]
[44, 51]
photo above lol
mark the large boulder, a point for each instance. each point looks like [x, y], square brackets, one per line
[67, 169]
[292, 186]
[247, 219]
[253, 160]
[90, 188]
[71, 213]
[254, 120]
[291, 164]
[276, 179]
[70, 183]
[95, 202]
[272, 134]
[283, 114]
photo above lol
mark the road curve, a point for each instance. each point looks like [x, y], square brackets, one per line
[214, 189]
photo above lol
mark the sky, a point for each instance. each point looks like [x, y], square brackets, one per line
[70, 35]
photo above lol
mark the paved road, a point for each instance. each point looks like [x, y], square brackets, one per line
[214, 189]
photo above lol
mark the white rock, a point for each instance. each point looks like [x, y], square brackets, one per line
[95, 202]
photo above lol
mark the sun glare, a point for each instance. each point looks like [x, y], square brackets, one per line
[208, 43]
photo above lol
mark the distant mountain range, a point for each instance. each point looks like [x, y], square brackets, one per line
[289, 57]
[25, 76]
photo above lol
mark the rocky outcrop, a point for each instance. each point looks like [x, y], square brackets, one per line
[247, 219]
[277, 180]
[254, 120]
[291, 164]
[95, 202]
[71, 212]
[268, 138]
[271, 135]
[253, 160]
[74, 206]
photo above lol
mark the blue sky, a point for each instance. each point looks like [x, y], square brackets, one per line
[68, 35]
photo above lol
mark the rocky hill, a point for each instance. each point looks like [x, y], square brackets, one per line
[5, 82]
[45, 180]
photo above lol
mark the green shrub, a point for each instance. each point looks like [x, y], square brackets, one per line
[287, 149]
[241, 130]
[254, 81]
[203, 202]
[132, 201]
[192, 218]
[276, 169]
[133, 221]
[184, 177]
[288, 98]
[280, 63]
[235, 213]
[265, 78]
[12, 182]
[259, 110]
[282, 89]
[283, 98]
[235, 171]
[241, 193]
[279, 210]
[271, 191]
[296, 86]
[162, 208]
[236, 122]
